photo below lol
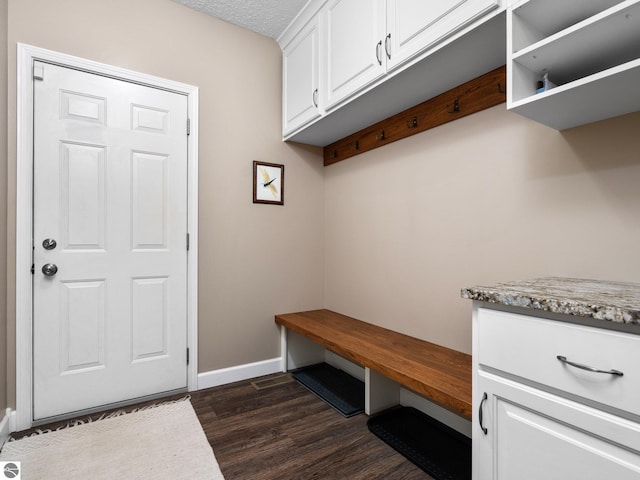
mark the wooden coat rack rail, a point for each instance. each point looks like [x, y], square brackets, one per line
[473, 96]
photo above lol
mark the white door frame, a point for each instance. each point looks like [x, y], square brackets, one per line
[24, 213]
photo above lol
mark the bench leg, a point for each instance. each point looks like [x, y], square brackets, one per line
[380, 392]
[298, 351]
[284, 349]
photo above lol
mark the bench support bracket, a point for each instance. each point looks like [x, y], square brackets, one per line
[380, 392]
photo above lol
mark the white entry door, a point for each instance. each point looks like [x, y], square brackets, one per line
[110, 241]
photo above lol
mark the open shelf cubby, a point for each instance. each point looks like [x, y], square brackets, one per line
[589, 49]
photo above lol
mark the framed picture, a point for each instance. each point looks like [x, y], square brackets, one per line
[268, 183]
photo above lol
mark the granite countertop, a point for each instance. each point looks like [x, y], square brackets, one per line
[617, 302]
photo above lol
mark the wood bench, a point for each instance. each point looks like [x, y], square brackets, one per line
[438, 373]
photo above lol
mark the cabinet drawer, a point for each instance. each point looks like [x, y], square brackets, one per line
[528, 347]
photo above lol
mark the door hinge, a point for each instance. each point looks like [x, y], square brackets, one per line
[187, 356]
[188, 240]
[188, 126]
[33, 268]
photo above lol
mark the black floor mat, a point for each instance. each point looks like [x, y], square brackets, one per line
[442, 452]
[339, 389]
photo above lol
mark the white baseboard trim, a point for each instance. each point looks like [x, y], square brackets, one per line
[5, 427]
[238, 373]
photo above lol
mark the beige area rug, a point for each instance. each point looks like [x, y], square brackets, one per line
[163, 442]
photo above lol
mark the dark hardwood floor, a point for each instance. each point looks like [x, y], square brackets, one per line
[284, 432]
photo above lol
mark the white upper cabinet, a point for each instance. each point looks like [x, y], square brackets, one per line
[367, 38]
[416, 25]
[300, 78]
[590, 52]
[355, 32]
[340, 58]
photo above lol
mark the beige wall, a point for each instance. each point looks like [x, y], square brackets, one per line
[488, 198]
[492, 197]
[255, 260]
[3, 205]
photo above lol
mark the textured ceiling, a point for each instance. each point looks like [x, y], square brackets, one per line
[267, 17]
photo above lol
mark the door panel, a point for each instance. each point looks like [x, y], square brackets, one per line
[83, 107]
[110, 186]
[82, 174]
[149, 318]
[83, 312]
[148, 209]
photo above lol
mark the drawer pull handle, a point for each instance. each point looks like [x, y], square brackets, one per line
[588, 368]
[482, 427]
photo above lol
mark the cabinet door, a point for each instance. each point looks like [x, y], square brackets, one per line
[416, 25]
[533, 435]
[300, 77]
[355, 31]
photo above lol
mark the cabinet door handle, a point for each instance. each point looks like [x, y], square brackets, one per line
[386, 46]
[482, 427]
[378, 48]
[588, 368]
[314, 98]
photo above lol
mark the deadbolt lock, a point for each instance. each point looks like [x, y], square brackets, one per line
[49, 243]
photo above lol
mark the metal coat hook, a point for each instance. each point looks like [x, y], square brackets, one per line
[413, 123]
[381, 136]
[334, 154]
[356, 145]
[500, 89]
[456, 106]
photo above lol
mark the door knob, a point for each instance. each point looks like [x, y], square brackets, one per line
[49, 243]
[49, 269]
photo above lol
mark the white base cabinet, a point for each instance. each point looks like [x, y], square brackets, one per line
[533, 435]
[578, 425]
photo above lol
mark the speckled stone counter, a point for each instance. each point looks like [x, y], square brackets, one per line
[609, 301]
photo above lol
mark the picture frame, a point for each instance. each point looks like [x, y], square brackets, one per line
[268, 183]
